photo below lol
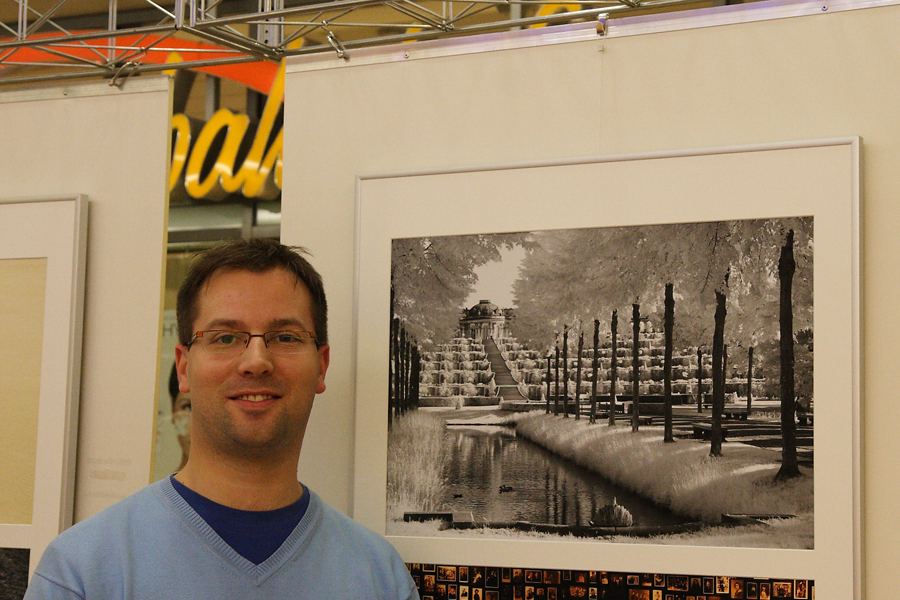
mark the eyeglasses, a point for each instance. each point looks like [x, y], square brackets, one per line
[222, 341]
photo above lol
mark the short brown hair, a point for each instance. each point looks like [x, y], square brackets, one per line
[257, 256]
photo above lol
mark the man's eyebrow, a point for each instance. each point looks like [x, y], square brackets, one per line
[274, 325]
[224, 324]
[287, 323]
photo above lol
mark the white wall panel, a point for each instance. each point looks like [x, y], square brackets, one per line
[111, 145]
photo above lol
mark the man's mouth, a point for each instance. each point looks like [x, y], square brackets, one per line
[255, 397]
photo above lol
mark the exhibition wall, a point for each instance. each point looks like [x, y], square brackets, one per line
[110, 145]
[650, 85]
[698, 81]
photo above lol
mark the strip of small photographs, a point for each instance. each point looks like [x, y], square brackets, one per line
[449, 582]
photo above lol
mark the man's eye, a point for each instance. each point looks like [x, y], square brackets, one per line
[288, 338]
[224, 339]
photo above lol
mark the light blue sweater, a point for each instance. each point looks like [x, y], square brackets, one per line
[153, 546]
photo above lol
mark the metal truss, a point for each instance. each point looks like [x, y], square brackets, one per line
[50, 40]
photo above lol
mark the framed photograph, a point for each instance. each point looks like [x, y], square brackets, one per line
[750, 245]
[43, 246]
[751, 590]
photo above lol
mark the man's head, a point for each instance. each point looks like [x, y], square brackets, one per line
[250, 397]
[257, 256]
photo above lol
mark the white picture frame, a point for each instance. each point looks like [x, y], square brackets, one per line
[55, 230]
[819, 178]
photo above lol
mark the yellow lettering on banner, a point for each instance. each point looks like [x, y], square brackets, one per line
[236, 126]
[173, 57]
[260, 173]
[551, 9]
[182, 127]
[253, 178]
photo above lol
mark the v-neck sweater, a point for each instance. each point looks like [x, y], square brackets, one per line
[254, 534]
[154, 546]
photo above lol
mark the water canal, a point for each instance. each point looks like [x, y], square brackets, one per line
[499, 477]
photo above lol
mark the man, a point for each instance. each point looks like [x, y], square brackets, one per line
[234, 522]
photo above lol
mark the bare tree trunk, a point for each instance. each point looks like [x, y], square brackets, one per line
[668, 436]
[393, 371]
[416, 373]
[718, 399]
[749, 380]
[549, 380]
[724, 374]
[595, 359]
[786, 265]
[635, 367]
[556, 385]
[699, 379]
[566, 373]
[578, 377]
[614, 368]
[392, 355]
[403, 371]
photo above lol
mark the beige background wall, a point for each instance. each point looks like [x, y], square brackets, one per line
[408, 108]
[110, 145]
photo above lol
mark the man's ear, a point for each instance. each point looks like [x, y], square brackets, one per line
[181, 352]
[324, 359]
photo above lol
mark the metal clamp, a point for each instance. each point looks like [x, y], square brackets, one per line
[116, 81]
[337, 45]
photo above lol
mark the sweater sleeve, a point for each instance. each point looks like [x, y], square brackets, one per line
[42, 588]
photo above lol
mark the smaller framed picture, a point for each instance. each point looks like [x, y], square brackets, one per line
[801, 589]
[751, 590]
[765, 591]
[723, 585]
[677, 583]
[782, 589]
[533, 576]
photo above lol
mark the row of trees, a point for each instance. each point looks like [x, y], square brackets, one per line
[741, 283]
[404, 364]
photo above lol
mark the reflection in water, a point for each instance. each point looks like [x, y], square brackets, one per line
[544, 487]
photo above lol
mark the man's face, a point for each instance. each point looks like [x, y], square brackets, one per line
[256, 401]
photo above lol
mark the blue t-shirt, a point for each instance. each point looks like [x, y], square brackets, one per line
[255, 535]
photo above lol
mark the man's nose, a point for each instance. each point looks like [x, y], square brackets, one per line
[256, 358]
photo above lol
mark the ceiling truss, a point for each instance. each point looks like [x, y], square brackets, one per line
[50, 40]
